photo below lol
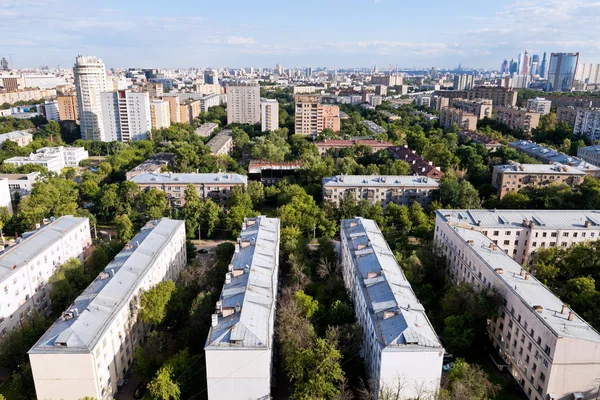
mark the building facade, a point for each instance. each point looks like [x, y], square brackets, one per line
[515, 176]
[337, 144]
[160, 114]
[243, 104]
[53, 158]
[517, 118]
[402, 352]
[90, 348]
[221, 144]
[126, 115]
[269, 173]
[312, 117]
[90, 82]
[67, 107]
[550, 156]
[51, 110]
[590, 154]
[269, 115]
[417, 163]
[216, 187]
[384, 189]
[26, 266]
[486, 141]
[551, 351]
[561, 72]
[463, 119]
[587, 124]
[539, 105]
[11, 97]
[21, 184]
[174, 109]
[240, 343]
[21, 138]
[481, 108]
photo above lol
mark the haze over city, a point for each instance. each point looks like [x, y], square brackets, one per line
[336, 33]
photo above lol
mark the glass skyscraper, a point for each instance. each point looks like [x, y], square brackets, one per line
[561, 72]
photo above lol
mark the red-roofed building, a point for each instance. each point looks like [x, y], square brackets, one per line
[338, 144]
[418, 164]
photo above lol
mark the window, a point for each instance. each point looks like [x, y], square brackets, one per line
[507, 233]
[542, 377]
[547, 350]
[507, 242]
[496, 233]
[565, 234]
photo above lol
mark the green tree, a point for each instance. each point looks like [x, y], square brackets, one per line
[124, 227]
[468, 381]
[152, 354]
[256, 192]
[154, 302]
[307, 304]
[67, 282]
[210, 215]
[163, 386]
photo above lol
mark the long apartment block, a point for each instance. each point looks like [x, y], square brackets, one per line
[514, 176]
[27, 264]
[240, 343]
[550, 156]
[550, 350]
[89, 349]
[382, 189]
[216, 187]
[402, 352]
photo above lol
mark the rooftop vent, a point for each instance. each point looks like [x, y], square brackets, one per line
[499, 270]
[571, 316]
[388, 314]
[538, 308]
[215, 320]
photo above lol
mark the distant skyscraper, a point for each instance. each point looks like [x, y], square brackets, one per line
[525, 64]
[90, 81]
[210, 77]
[561, 72]
[243, 103]
[535, 65]
[520, 63]
[309, 71]
[513, 67]
[504, 68]
[4, 64]
[543, 67]
[126, 115]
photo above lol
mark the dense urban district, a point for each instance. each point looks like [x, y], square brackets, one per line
[300, 233]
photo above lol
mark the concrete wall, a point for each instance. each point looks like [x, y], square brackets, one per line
[416, 373]
[50, 372]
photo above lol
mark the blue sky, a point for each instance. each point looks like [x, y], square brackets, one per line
[261, 33]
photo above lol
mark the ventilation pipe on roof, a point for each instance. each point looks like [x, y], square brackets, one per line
[564, 309]
[215, 320]
[112, 272]
[527, 276]
[522, 272]
[586, 224]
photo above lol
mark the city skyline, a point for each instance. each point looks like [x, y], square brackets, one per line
[264, 33]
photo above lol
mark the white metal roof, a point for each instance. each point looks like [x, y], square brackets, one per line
[250, 290]
[99, 302]
[550, 155]
[542, 219]
[393, 307]
[189, 178]
[555, 169]
[530, 291]
[380, 180]
[14, 135]
[14, 257]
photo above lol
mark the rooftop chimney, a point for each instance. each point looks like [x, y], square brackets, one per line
[571, 315]
[215, 320]
[564, 309]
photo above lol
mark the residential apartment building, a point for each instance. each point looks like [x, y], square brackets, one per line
[12, 83]
[221, 144]
[337, 144]
[539, 105]
[566, 114]
[21, 184]
[50, 110]
[312, 117]
[517, 118]
[387, 80]
[11, 97]
[269, 115]
[587, 124]
[126, 115]
[243, 103]
[240, 343]
[89, 349]
[5, 195]
[205, 130]
[439, 102]
[590, 154]
[551, 351]
[463, 119]
[481, 108]
[188, 110]
[402, 352]
[27, 264]
[382, 189]
[216, 187]
[67, 107]
[514, 176]
[373, 127]
[269, 173]
[174, 108]
[499, 96]
[160, 115]
[478, 138]
[551, 156]
[463, 82]
[21, 138]
[208, 101]
[90, 82]
[417, 163]
[154, 89]
[53, 158]
[153, 165]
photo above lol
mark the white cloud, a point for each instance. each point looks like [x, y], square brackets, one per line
[240, 40]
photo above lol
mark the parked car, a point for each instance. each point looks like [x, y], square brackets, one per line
[140, 390]
[448, 358]
[448, 367]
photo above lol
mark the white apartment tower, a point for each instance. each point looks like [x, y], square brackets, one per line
[87, 351]
[26, 266]
[402, 352]
[550, 350]
[269, 114]
[160, 114]
[243, 103]
[127, 115]
[90, 81]
[240, 343]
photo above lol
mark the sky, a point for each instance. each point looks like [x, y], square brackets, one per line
[318, 33]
